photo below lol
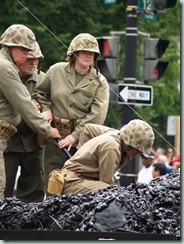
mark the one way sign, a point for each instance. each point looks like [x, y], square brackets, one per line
[135, 94]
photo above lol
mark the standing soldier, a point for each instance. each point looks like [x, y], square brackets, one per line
[73, 94]
[23, 148]
[15, 100]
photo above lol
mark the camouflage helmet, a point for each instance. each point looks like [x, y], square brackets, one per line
[138, 134]
[83, 42]
[18, 35]
[36, 53]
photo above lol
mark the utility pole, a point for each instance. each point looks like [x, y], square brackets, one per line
[130, 74]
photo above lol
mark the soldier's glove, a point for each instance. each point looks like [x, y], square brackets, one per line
[6, 130]
[55, 182]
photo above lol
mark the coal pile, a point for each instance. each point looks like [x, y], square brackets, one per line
[153, 208]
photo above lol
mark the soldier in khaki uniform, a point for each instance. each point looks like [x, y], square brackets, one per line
[73, 94]
[103, 151]
[23, 148]
[15, 100]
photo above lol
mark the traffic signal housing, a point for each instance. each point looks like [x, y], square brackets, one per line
[108, 62]
[162, 5]
[152, 50]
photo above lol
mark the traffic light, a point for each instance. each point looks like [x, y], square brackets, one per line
[153, 49]
[161, 5]
[108, 63]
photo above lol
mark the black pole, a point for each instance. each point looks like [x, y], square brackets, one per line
[130, 74]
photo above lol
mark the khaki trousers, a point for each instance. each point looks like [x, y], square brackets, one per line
[31, 182]
[83, 186]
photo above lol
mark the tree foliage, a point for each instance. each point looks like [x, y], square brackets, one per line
[55, 23]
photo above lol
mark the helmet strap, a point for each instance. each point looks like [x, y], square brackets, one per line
[39, 66]
[95, 66]
[128, 148]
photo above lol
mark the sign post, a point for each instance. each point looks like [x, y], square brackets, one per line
[130, 77]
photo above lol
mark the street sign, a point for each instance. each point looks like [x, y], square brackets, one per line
[141, 4]
[149, 17]
[135, 94]
[109, 2]
[171, 125]
[145, 7]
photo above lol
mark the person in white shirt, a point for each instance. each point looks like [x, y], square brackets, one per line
[145, 174]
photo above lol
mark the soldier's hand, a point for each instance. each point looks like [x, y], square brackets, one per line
[37, 104]
[68, 141]
[48, 116]
[55, 133]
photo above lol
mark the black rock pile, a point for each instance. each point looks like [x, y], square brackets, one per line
[153, 208]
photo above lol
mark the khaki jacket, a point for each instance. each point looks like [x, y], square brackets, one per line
[87, 101]
[26, 140]
[100, 157]
[15, 100]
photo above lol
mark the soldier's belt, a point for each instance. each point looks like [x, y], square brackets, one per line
[68, 174]
[57, 179]
[6, 130]
[55, 182]
[65, 126]
[71, 175]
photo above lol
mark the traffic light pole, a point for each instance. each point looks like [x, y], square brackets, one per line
[130, 54]
[130, 74]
